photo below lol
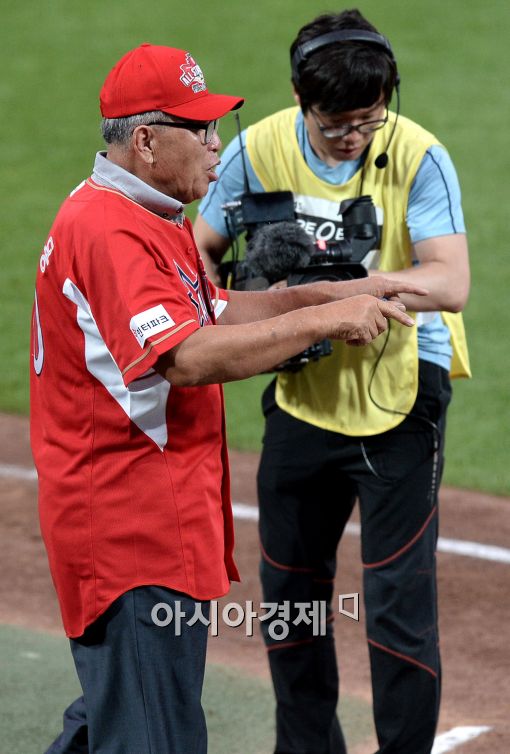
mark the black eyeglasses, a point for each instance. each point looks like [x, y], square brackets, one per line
[210, 127]
[338, 132]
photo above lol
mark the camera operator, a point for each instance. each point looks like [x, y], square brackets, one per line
[363, 423]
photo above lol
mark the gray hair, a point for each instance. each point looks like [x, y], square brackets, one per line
[119, 130]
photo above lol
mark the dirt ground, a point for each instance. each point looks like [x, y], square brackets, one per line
[474, 595]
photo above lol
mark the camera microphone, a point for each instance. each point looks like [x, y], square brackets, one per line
[273, 253]
[276, 249]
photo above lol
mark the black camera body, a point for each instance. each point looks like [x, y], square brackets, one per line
[279, 249]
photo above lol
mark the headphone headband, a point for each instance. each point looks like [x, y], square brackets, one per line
[306, 49]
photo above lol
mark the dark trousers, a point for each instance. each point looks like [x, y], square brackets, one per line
[141, 682]
[308, 481]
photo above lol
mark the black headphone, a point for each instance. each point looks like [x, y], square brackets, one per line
[303, 52]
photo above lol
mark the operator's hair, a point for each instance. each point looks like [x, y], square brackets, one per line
[119, 130]
[343, 76]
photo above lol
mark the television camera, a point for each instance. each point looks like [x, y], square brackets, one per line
[278, 249]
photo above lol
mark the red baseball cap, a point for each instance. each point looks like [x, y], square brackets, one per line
[153, 77]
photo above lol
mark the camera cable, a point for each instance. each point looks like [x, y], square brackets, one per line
[436, 432]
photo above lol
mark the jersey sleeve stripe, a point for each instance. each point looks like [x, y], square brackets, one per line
[157, 342]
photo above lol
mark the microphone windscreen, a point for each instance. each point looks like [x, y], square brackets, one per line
[381, 161]
[277, 249]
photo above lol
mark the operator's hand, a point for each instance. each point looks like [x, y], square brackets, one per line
[359, 319]
[379, 286]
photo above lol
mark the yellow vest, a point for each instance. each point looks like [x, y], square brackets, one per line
[340, 392]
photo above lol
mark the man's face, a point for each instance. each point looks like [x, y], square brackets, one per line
[183, 165]
[341, 148]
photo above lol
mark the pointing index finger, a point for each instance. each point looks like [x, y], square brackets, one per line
[399, 286]
[390, 311]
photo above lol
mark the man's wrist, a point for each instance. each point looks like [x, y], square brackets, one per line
[345, 289]
[325, 292]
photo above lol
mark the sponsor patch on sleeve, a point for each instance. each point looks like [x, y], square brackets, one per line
[150, 322]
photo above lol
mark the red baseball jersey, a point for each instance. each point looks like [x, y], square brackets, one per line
[133, 471]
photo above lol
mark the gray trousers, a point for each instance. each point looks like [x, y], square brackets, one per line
[141, 682]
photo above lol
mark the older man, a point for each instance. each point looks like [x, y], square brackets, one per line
[127, 413]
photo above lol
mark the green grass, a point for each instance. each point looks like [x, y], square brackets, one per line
[452, 58]
[39, 681]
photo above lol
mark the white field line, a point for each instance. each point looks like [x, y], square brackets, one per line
[9, 471]
[251, 513]
[452, 546]
[457, 736]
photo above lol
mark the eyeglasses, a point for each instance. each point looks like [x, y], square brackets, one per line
[338, 132]
[210, 128]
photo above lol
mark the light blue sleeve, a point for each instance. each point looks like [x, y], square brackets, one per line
[434, 207]
[230, 185]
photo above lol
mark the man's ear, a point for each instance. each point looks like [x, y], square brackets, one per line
[142, 143]
[296, 97]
